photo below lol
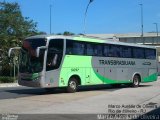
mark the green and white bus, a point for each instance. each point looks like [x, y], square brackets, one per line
[50, 61]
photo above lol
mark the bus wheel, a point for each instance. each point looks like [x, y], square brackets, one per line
[136, 81]
[72, 85]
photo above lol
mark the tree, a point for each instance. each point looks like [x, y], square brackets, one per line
[13, 28]
[68, 33]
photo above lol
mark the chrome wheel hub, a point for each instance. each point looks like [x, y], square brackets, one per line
[72, 84]
[136, 81]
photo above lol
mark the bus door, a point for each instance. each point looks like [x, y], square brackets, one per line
[53, 62]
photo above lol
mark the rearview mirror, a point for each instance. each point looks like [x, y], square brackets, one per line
[38, 50]
[11, 49]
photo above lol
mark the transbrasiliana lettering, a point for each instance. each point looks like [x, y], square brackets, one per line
[116, 62]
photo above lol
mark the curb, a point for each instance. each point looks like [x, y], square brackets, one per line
[3, 85]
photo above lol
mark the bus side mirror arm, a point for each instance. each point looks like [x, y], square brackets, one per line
[11, 49]
[38, 50]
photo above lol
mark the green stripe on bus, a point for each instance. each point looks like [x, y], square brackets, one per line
[88, 39]
[150, 78]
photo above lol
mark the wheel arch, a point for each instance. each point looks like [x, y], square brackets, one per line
[138, 74]
[77, 77]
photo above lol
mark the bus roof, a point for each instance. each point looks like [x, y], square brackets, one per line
[90, 39]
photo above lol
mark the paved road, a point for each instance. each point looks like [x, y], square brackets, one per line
[19, 92]
[89, 100]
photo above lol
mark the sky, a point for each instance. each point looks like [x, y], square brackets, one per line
[103, 16]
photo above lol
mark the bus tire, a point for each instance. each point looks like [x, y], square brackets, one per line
[72, 85]
[136, 81]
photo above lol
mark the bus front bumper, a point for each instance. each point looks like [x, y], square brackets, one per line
[29, 83]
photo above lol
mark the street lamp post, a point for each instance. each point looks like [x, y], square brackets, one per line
[156, 24]
[141, 5]
[85, 15]
[50, 19]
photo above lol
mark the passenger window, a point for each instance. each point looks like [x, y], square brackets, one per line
[127, 52]
[75, 48]
[119, 51]
[138, 53]
[106, 51]
[115, 51]
[150, 54]
[98, 50]
[112, 51]
[90, 50]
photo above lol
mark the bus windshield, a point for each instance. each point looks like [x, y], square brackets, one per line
[29, 62]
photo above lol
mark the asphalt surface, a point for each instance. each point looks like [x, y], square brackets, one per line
[90, 101]
[18, 92]
[21, 91]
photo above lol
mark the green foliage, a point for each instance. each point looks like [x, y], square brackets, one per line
[13, 29]
[7, 80]
[68, 33]
[13, 26]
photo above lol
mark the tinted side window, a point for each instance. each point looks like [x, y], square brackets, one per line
[126, 52]
[90, 49]
[106, 50]
[75, 48]
[98, 50]
[150, 54]
[119, 51]
[115, 51]
[112, 51]
[56, 44]
[138, 53]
